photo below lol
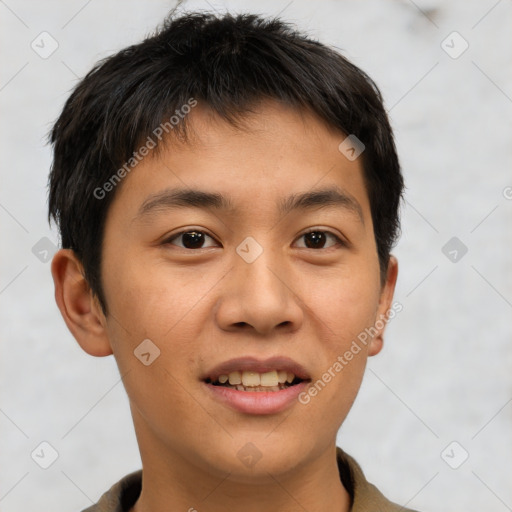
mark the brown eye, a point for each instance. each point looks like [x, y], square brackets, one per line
[317, 239]
[191, 239]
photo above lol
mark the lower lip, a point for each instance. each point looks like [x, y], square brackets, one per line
[257, 402]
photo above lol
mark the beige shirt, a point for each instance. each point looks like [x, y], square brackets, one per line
[365, 496]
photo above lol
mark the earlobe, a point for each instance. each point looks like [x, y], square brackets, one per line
[385, 303]
[77, 304]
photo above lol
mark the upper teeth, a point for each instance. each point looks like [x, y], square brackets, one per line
[253, 379]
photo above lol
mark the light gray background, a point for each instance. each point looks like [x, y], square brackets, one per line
[445, 373]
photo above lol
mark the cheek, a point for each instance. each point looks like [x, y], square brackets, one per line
[344, 308]
[346, 303]
[154, 345]
[146, 306]
[148, 300]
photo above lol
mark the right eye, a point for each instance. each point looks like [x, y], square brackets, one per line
[191, 239]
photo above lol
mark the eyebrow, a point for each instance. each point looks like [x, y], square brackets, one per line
[194, 198]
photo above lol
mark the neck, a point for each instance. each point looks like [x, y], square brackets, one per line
[164, 492]
[172, 482]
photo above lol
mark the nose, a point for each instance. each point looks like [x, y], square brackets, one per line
[259, 296]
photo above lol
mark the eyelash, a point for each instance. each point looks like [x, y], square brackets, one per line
[338, 240]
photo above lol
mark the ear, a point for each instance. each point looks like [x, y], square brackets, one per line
[78, 305]
[385, 302]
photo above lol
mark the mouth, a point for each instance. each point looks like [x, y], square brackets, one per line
[256, 387]
[274, 380]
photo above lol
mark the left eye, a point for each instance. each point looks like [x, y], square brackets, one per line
[316, 239]
[191, 239]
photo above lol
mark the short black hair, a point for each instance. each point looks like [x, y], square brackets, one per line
[229, 63]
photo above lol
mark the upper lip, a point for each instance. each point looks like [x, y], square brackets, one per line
[257, 365]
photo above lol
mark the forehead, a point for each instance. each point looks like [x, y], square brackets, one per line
[274, 151]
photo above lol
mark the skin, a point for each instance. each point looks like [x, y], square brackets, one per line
[204, 306]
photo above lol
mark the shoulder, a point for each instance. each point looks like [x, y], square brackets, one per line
[121, 496]
[366, 497]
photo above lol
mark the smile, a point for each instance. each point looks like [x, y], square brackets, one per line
[253, 386]
[274, 380]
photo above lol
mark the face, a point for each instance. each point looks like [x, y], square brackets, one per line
[179, 270]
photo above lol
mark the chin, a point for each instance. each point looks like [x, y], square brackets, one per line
[255, 463]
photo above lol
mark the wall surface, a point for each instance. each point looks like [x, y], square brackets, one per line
[439, 392]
